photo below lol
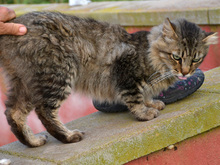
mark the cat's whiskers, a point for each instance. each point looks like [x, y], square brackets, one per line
[160, 78]
[152, 75]
[156, 75]
[165, 77]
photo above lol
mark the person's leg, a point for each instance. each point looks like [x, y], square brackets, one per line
[178, 91]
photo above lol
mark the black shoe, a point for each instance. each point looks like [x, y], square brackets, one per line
[178, 91]
[109, 108]
[182, 89]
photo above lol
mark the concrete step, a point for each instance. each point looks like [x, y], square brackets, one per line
[118, 138]
[133, 13]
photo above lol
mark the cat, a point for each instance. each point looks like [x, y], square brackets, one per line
[61, 53]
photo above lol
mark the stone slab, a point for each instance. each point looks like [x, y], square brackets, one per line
[212, 81]
[118, 138]
[19, 160]
[214, 16]
[136, 13]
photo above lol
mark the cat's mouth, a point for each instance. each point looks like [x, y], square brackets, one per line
[182, 77]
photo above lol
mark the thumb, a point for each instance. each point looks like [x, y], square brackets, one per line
[12, 29]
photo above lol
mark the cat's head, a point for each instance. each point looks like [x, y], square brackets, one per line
[179, 46]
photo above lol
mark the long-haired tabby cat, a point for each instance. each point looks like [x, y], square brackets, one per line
[61, 53]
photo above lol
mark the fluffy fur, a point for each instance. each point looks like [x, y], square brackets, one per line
[61, 53]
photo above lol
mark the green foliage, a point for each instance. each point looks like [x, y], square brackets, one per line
[45, 1]
[31, 1]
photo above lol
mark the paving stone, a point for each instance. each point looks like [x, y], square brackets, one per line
[142, 13]
[118, 138]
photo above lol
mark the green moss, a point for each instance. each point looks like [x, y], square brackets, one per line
[214, 16]
[127, 17]
[167, 131]
[212, 80]
[110, 10]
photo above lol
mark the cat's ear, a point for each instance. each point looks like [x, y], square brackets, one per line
[169, 29]
[211, 38]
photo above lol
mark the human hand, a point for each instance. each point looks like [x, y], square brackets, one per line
[10, 28]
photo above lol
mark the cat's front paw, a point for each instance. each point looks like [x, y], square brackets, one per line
[147, 114]
[157, 104]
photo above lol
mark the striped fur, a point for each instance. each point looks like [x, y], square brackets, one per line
[61, 53]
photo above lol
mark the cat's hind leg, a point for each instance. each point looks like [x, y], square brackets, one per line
[17, 120]
[17, 110]
[48, 114]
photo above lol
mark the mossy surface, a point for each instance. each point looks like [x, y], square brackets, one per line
[165, 132]
[212, 81]
[132, 13]
[118, 138]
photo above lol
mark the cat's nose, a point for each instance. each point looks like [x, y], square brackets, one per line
[185, 70]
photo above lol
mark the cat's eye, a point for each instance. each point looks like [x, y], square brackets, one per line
[196, 60]
[175, 57]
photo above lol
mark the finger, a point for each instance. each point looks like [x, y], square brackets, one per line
[12, 29]
[6, 14]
